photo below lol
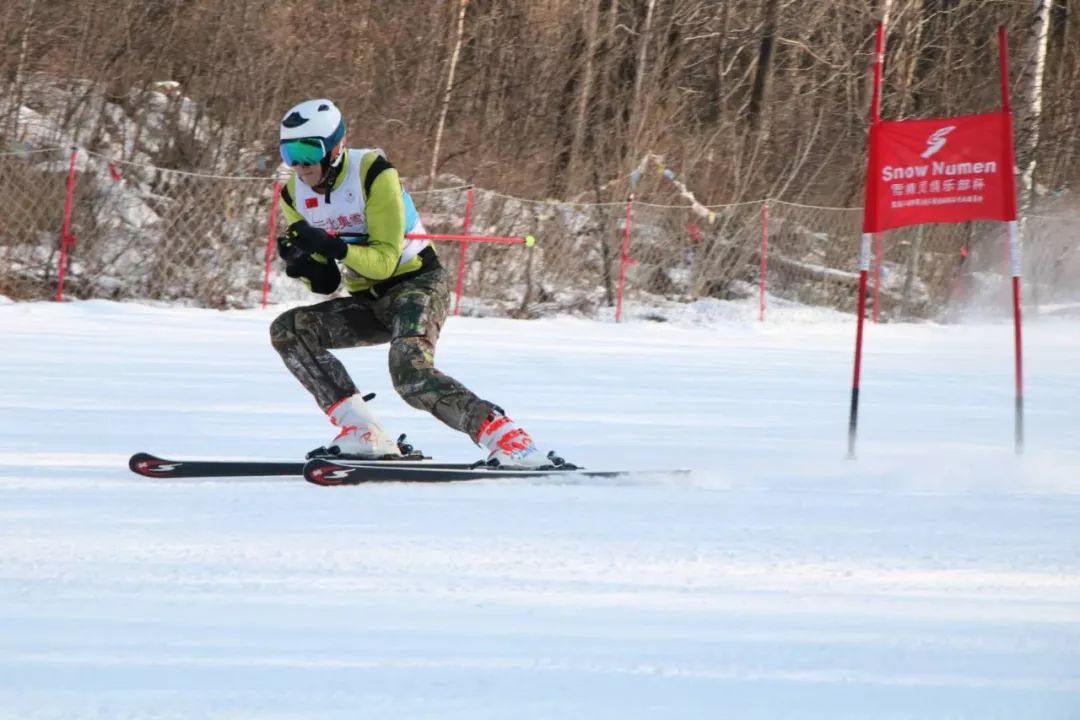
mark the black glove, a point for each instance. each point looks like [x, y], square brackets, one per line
[323, 277]
[312, 240]
[288, 251]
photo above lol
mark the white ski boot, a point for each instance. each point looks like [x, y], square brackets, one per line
[361, 435]
[509, 445]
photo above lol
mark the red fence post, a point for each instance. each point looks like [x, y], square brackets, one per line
[764, 272]
[625, 260]
[66, 238]
[462, 252]
[270, 241]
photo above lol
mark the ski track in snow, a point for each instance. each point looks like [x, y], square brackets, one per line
[937, 576]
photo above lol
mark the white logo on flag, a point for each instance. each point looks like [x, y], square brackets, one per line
[936, 141]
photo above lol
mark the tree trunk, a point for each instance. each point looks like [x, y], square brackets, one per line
[639, 74]
[611, 115]
[1029, 114]
[17, 87]
[911, 62]
[1030, 93]
[585, 87]
[760, 87]
[715, 109]
[449, 89]
[930, 54]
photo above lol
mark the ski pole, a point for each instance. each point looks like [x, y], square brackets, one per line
[526, 240]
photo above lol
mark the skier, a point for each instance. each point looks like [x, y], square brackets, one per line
[347, 216]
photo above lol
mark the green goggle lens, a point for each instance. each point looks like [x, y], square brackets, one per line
[304, 151]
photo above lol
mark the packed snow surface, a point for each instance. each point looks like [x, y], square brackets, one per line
[935, 576]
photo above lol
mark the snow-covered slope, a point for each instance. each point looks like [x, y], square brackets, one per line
[938, 576]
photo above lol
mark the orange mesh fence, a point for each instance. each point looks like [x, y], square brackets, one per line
[169, 235]
[143, 232]
[33, 184]
[139, 232]
[1050, 268]
[573, 265]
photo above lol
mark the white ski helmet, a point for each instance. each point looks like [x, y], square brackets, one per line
[309, 133]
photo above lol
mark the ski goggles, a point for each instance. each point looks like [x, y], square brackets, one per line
[302, 151]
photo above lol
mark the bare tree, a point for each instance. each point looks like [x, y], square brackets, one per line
[645, 35]
[585, 87]
[551, 97]
[20, 66]
[449, 90]
[760, 85]
[1030, 91]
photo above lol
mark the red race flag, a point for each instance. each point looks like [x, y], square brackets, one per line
[940, 170]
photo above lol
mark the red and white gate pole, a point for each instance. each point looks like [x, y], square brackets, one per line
[1014, 238]
[867, 237]
[877, 276]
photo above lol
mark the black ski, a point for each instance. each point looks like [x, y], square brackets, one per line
[329, 472]
[155, 467]
[337, 471]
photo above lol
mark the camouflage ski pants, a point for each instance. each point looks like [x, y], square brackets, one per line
[409, 316]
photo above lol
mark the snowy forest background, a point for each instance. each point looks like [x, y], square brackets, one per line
[549, 106]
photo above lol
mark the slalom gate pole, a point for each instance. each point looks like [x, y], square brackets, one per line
[877, 275]
[864, 273]
[869, 203]
[1018, 411]
[1014, 241]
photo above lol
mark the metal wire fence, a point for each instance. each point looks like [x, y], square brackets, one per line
[116, 230]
